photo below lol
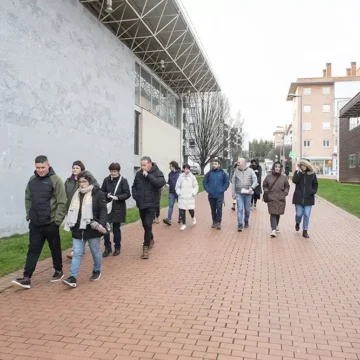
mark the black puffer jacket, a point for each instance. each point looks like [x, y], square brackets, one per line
[99, 214]
[145, 190]
[118, 213]
[306, 185]
[258, 172]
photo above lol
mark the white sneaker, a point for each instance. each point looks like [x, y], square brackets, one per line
[273, 234]
[183, 227]
[194, 221]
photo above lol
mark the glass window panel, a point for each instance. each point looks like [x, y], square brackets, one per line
[145, 90]
[137, 84]
[178, 114]
[172, 109]
[155, 105]
[163, 103]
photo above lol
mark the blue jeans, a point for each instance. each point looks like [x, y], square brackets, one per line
[117, 237]
[78, 249]
[243, 202]
[303, 211]
[216, 205]
[172, 198]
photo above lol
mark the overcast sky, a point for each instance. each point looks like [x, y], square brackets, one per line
[257, 47]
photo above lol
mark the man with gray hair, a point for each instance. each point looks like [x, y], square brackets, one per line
[145, 191]
[243, 184]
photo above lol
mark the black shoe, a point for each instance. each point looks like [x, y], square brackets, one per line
[305, 234]
[70, 281]
[58, 275]
[297, 227]
[96, 275]
[233, 208]
[23, 282]
[167, 222]
[246, 225]
[106, 253]
[240, 228]
[116, 252]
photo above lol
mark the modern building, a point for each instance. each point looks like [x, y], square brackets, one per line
[288, 134]
[349, 141]
[315, 117]
[95, 80]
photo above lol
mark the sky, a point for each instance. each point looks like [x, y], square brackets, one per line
[258, 47]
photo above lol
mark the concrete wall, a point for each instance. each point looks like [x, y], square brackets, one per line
[160, 141]
[66, 91]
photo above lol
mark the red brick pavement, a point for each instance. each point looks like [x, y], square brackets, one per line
[203, 294]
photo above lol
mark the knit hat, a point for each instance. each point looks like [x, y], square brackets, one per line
[80, 164]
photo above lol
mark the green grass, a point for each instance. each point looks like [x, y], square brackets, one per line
[13, 249]
[345, 196]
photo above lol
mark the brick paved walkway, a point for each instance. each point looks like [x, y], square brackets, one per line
[203, 294]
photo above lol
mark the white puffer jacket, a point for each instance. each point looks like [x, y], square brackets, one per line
[187, 187]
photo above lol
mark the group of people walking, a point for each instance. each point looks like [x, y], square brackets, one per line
[90, 212]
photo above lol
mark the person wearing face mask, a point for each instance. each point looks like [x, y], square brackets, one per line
[276, 188]
[71, 185]
[86, 219]
[117, 191]
[243, 184]
[145, 191]
[304, 196]
[257, 191]
[186, 188]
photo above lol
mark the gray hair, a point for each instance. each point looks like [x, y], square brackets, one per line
[146, 158]
[242, 160]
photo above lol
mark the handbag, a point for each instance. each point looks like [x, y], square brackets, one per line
[266, 194]
[109, 205]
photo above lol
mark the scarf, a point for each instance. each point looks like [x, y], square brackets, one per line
[86, 209]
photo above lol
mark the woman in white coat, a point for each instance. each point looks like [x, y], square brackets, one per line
[186, 188]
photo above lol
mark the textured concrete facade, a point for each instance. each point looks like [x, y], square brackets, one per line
[66, 91]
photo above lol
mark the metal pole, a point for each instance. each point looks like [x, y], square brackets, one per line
[301, 126]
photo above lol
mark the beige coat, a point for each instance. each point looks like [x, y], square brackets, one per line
[187, 187]
[278, 193]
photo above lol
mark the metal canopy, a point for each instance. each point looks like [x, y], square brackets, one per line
[351, 109]
[159, 35]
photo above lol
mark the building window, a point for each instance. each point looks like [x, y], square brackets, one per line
[137, 84]
[137, 134]
[353, 123]
[192, 128]
[326, 143]
[326, 108]
[172, 109]
[307, 143]
[326, 90]
[191, 143]
[307, 108]
[326, 125]
[307, 91]
[155, 102]
[353, 161]
[145, 84]
[163, 103]
[307, 126]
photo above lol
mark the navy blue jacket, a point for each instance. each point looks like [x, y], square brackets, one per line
[173, 177]
[216, 182]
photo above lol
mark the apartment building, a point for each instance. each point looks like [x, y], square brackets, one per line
[279, 136]
[317, 102]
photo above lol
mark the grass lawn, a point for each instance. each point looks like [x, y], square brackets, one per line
[13, 249]
[345, 196]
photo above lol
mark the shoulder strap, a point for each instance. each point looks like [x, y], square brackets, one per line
[270, 188]
[117, 185]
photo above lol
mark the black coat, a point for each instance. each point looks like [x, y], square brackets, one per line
[306, 188]
[145, 190]
[258, 172]
[99, 214]
[118, 213]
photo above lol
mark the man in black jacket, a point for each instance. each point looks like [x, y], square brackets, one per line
[145, 191]
[45, 205]
[304, 196]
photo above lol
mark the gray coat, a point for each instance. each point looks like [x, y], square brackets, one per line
[243, 179]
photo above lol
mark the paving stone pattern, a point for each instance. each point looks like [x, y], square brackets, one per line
[203, 294]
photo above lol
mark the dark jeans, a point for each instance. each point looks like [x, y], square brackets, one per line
[254, 199]
[216, 205]
[147, 218]
[117, 237]
[37, 237]
[274, 221]
[183, 215]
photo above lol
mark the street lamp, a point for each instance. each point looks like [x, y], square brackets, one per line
[291, 97]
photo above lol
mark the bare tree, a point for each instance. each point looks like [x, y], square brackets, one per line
[208, 116]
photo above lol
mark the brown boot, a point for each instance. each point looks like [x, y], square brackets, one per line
[145, 254]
